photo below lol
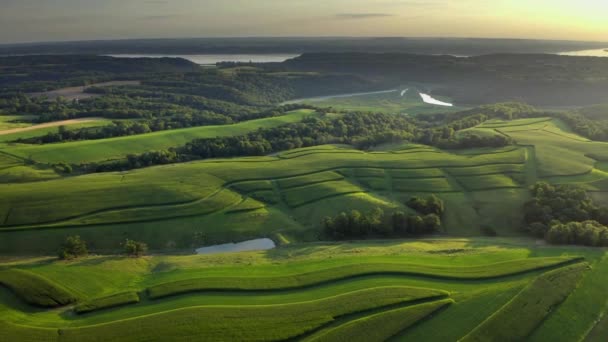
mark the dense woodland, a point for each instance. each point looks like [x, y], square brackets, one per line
[565, 214]
[357, 225]
[537, 79]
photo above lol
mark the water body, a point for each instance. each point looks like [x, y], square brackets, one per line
[430, 100]
[213, 59]
[245, 246]
[591, 53]
[323, 98]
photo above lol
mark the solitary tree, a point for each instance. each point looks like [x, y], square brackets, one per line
[73, 247]
[135, 248]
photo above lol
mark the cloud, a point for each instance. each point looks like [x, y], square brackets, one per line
[362, 15]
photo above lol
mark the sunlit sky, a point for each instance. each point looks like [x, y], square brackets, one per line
[53, 20]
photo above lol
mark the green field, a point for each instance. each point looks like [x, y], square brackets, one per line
[117, 148]
[5, 138]
[290, 192]
[389, 102]
[313, 292]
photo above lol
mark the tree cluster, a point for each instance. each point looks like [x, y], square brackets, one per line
[74, 247]
[588, 233]
[426, 206]
[357, 225]
[564, 214]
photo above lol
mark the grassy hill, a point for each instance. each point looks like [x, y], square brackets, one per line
[439, 289]
[289, 193]
[116, 148]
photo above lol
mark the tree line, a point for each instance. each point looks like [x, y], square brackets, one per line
[361, 130]
[75, 247]
[357, 225]
[119, 128]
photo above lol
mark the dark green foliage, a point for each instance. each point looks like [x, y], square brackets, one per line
[537, 79]
[377, 223]
[430, 205]
[73, 247]
[135, 248]
[565, 214]
[588, 233]
[34, 289]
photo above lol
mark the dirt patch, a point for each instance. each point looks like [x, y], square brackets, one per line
[78, 93]
[49, 124]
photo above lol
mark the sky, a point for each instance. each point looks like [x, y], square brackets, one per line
[59, 20]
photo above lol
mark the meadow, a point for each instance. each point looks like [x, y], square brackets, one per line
[311, 292]
[117, 148]
[289, 193]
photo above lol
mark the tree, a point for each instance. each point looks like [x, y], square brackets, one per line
[432, 223]
[73, 247]
[135, 248]
[399, 222]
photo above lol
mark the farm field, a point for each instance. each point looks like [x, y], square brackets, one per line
[405, 289]
[117, 148]
[289, 193]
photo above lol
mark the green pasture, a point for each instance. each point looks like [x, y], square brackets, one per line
[38, 132]
[117, 148]
[469, 287]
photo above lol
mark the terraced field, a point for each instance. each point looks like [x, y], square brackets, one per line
[289, 193]
[475, 289]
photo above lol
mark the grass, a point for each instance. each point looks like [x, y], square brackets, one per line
[522, 315]
[295, 190]
[38, 132]
[24, 174]
[486, 182]
[119, 299]
[35, 289]
[275, 322]
[433, 185]
[577, 314]
[300, 196]
[288, 183]
[118, 148]
[253, 186]
[402, 305]
[352, 271]
[381, 326]
[11, 121]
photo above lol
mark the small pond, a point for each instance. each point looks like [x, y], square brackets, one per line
[250, 245]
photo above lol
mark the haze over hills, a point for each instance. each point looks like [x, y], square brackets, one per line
[298, 45]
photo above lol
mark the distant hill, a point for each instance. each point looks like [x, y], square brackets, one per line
[453, 46]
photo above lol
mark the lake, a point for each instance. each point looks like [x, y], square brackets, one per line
[591, 53]
[213, 59]
[245, 246]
